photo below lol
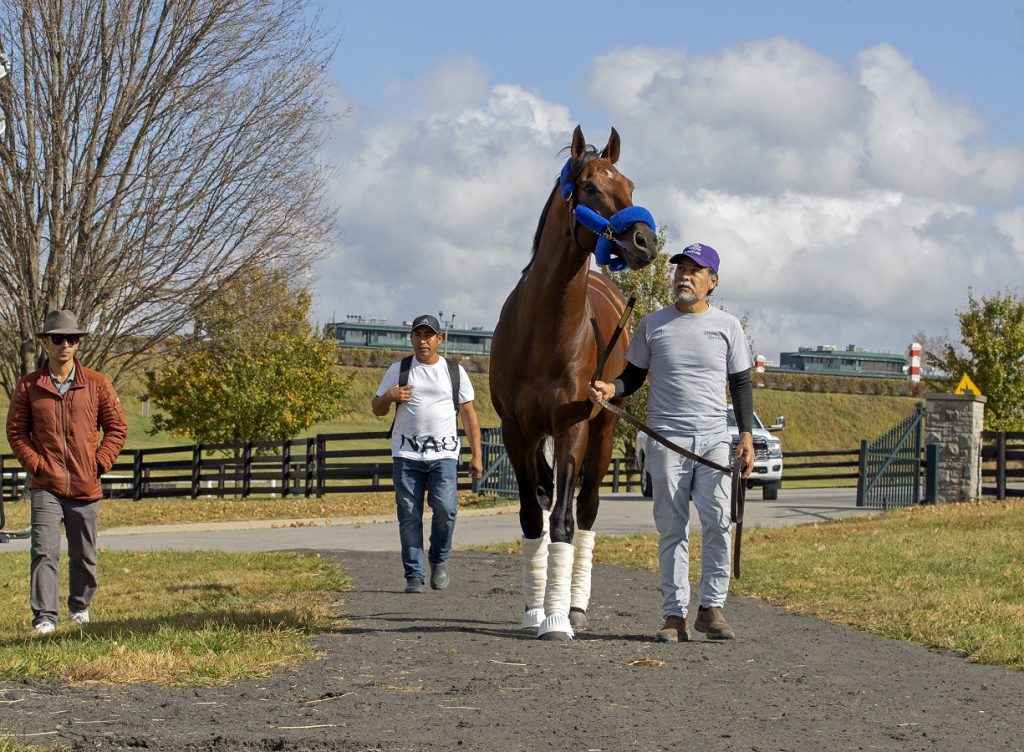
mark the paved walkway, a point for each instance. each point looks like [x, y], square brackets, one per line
[450, 670]
[620, 514]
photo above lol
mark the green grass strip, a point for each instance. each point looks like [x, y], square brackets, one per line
[198, 618]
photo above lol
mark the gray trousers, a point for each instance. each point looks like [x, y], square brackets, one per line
[80, 522]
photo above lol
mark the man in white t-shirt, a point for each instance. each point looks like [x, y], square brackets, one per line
[425, 448]
[689, 351]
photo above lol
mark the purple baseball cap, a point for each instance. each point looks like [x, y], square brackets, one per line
[702, 254]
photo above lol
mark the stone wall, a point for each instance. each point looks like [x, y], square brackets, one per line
[955, 422]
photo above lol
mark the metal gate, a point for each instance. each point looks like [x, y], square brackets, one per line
[498, 477]
[891, 465]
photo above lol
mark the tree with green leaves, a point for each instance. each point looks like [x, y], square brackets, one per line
[652, 287]
[253, 368]
[992, 354]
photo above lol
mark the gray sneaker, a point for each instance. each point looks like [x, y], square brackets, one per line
[45, 627]
[414, 585]
[439, 576]
[80, 617]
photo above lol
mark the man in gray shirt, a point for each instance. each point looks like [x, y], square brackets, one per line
[689, 351]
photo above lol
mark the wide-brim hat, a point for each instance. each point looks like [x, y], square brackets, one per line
[61, 322]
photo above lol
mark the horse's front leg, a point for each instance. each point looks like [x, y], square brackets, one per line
[595, 467]
[533, 521]
[569, 450]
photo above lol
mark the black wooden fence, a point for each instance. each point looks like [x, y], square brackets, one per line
[1002, 469]
[335, 463]
[326, 463]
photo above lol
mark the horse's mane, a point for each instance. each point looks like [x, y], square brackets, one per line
[590, 153]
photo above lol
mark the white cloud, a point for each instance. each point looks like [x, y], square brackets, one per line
[848, 205]
[921, 144]
[852, 204]
[439, 207]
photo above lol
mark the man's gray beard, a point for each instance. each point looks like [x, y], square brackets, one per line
[688, 297]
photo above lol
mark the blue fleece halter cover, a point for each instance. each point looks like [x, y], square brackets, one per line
[607, 229]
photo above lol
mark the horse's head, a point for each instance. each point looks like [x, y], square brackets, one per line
[603, 199]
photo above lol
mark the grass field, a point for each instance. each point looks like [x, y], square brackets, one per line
[11, 744]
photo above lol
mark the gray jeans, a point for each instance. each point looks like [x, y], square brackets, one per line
[80, 521]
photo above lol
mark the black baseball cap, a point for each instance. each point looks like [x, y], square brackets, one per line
[426, 320]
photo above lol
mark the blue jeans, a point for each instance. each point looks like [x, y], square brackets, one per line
[438, 479]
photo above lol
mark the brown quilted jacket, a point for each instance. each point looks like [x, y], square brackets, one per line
[56, 439]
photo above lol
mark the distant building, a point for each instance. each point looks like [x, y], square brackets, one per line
[378, 334]
[852, 361]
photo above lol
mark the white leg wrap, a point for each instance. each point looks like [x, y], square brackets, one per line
[535, 575]
[556, 597]
[583, 542]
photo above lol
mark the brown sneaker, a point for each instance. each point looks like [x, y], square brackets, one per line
[673, 630]
[712, 623]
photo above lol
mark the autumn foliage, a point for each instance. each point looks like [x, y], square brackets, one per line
[253, 368]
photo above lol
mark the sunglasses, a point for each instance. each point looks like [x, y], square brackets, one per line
[60, 339]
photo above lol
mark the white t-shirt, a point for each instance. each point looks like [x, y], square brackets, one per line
[426, 426]
[689, 356]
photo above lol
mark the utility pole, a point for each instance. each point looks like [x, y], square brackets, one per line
[445, 325]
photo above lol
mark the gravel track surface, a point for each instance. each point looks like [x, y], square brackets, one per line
[450, 671]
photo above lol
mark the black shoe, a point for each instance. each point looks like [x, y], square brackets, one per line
[414, 585]
[439, 576]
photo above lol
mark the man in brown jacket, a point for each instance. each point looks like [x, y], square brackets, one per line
[53, 427]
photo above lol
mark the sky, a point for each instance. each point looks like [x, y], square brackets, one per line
[859, 166]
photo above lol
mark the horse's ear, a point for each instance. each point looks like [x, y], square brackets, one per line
[579, 144]
[611, 151]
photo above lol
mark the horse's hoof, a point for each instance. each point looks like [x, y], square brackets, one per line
[556, 625]
[532, 618]
[578, 618]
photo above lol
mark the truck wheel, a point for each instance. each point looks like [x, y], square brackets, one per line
[770, 492]
[646, 485]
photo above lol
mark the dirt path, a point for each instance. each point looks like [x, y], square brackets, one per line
[448, 671]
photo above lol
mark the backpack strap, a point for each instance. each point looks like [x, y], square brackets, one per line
[403, 380]
[403, 371]
[455, 376]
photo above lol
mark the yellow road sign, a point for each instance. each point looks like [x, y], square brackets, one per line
[966, 385]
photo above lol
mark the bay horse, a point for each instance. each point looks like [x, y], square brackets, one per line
[547, 344]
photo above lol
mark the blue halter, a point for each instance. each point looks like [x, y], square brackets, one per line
[607, 229]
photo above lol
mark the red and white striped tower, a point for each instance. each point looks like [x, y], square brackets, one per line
[915, 362]
[759, 370]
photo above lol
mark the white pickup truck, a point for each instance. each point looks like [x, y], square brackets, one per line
[767, 457]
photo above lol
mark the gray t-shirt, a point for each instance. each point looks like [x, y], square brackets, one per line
[688, 357]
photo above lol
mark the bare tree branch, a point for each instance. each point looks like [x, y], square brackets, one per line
[152, 148]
